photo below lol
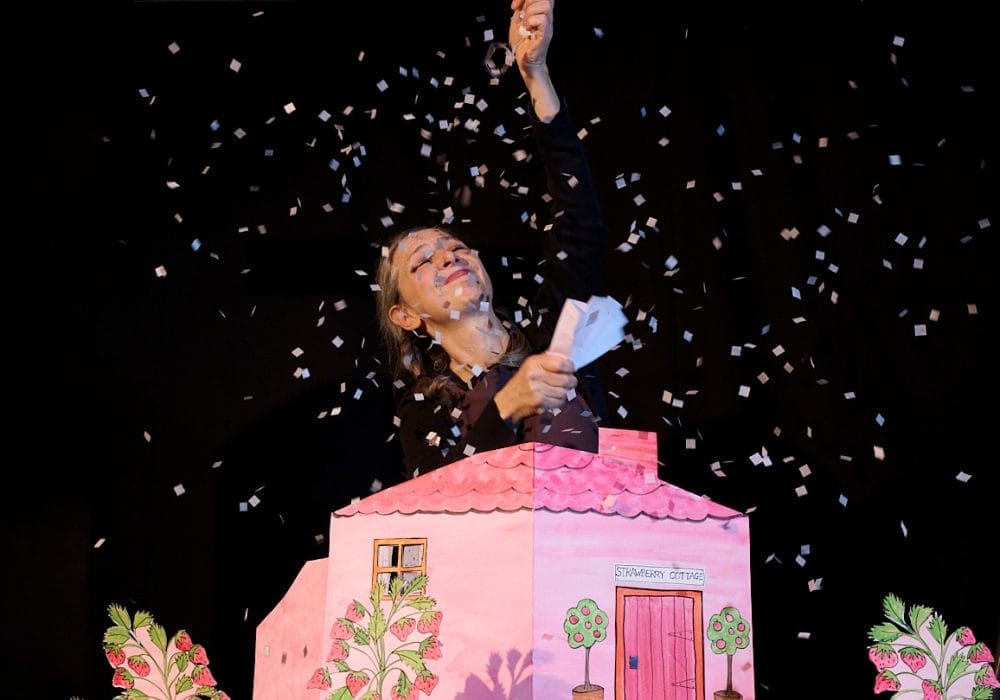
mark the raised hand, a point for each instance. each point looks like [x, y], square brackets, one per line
[543, 382]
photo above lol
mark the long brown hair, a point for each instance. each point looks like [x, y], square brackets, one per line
[414, 358]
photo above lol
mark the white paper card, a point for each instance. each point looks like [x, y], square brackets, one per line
[587, 330]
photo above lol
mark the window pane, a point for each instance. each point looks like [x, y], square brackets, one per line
[386, 555]
[383, 582]
[413, 554]
[409, 576]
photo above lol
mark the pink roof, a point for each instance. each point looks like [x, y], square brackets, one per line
[540, 476]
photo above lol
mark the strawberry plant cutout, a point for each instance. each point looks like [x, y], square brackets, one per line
[914, 655]
[148, 664]
[411, 620]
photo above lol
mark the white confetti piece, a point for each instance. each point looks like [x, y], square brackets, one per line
[146, 436]
[160, 271]
[100, 542]
[879, 452]
[235, 66]
[179, 489]
[963, 477]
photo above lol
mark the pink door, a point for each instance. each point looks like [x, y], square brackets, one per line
[659, 645]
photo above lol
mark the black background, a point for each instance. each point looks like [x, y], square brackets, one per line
[101, 352]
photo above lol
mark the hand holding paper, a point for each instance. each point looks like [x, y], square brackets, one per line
[587, 330]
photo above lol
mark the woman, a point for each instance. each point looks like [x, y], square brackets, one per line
[470, 381]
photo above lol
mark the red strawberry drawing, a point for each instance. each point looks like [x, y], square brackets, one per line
[202, 676]
[342, 629]
[965, 637]
[123, 679]
[338, 651]
[430, 648]
[886, 680]
[320, 680]
[913, 657]
[139, 666]
[182, 640]
[198, 655]
[355, 612]
[430, 621]
[116, 657]
[980, 653]
[426, 682]
[356, 680]
[883, 656]
[932, 690]
[987, 677]
[402, 627]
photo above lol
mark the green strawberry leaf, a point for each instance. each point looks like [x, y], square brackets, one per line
[376, 596]
[206, 692]
[918, 616]
[403, 685]
[134, 694]
[417, 584]
[340, 694]
[396, 588]
[142, 618]
[422, 603]
[938, 628]
[376, 624]
[159, 636]
[894, 608]
[982, 692]
[181, 658]
[884, 632]
[361, 637]
[119, 615]
[342, 666]
[183, 683]
[116, 636]
[411, 659]
[958, 663]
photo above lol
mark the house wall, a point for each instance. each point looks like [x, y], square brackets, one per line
[479, 567]
[575, 558]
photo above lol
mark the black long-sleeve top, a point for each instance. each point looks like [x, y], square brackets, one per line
[432, 434]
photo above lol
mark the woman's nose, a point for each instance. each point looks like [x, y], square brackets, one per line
[446, 257]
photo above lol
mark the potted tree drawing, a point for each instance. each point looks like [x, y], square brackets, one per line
[727, 632]
[585, 626]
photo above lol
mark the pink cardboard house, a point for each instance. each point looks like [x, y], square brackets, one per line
[522, 572]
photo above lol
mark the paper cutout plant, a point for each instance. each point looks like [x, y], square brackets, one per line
[927, 659]
[585, 626]
[409, 610]
[728, 632]
[148, 664]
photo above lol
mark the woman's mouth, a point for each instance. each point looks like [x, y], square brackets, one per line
[455, 275]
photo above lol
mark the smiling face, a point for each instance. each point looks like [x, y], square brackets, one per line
[439, 279]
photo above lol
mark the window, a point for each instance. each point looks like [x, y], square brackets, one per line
[399, 558]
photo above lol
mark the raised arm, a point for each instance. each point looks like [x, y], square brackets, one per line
[529, 36]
